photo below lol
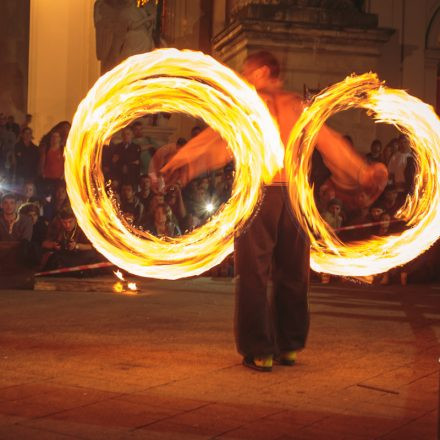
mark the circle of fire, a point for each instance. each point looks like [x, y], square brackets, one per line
[169, 80]
[421, 210]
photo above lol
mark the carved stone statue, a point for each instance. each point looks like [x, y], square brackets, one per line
[122, 29]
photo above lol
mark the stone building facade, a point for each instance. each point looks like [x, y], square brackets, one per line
[318, 42]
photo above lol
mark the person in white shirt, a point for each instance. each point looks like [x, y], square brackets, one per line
[398, 162]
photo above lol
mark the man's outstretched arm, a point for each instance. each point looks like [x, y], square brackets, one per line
[205, 152]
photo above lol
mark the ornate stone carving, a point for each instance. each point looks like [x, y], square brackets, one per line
[326, 4]
[321, 13]
[122, 29]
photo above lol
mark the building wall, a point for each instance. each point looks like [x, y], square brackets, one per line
[62, 60]
[14, 48]
[404, 62]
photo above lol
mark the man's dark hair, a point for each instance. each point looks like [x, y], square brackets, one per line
[9, 196]
[390, 188]
[195, 130]
[136, 124]
[130, 184]
[264, 58]
[66, 213]
[349, 139]
[335, 202]
[181, 142]
[27, 208]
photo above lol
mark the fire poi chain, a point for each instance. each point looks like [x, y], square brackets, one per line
[169, 80]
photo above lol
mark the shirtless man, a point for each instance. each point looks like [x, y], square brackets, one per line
[273, 246]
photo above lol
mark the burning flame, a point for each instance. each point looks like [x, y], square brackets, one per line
[421, 125]
[169, 80]
[122, 286]
[144, 2]
[132, 286]
[118, 273]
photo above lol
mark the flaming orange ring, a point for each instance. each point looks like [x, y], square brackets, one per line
[421, 210]
[169, 80]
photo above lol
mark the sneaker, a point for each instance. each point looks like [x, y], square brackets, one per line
[263, 363]
[287, 358]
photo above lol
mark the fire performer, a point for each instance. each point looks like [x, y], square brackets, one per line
[273, 244]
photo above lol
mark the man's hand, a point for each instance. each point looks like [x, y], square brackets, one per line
[205, 152]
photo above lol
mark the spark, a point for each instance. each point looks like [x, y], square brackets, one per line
[118, 273]
[132, 286]
[209, 207]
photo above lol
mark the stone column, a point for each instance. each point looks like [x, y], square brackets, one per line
[62, 61]
[318, 42]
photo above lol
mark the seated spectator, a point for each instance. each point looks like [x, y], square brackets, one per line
[163, 224]
[145, 193]
[204, 184]
[375, 154]
[67, 244]
[12, 226]
[217, 180]
[114, 190]
[27, 121]
[39, 224]
[359, 215]
[130, 203]
[325, 194]
[147, 146]
[11, 125]
[51, 163]
[26, 158]
[410, 174]
[7, 146]
[398, 163]
[195, 131]
[332, 215]
[390, 200]
[384, 228]
[389, 150]
[319, 173]
[147, 220]
[56, 203]
[129, 215]
[376, 212]
[199, 201]
[125, 160]
[28, 194]
[174, 199]
[62, 128]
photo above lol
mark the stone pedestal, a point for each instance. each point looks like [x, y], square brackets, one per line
[317, 46]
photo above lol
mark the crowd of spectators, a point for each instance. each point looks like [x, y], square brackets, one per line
[363, 219]
[35, 207]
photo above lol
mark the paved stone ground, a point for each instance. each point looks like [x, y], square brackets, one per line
[162, 365]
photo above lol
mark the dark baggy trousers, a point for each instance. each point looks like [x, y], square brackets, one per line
[272, 246]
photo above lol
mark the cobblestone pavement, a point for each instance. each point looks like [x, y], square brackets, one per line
[162, 365]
